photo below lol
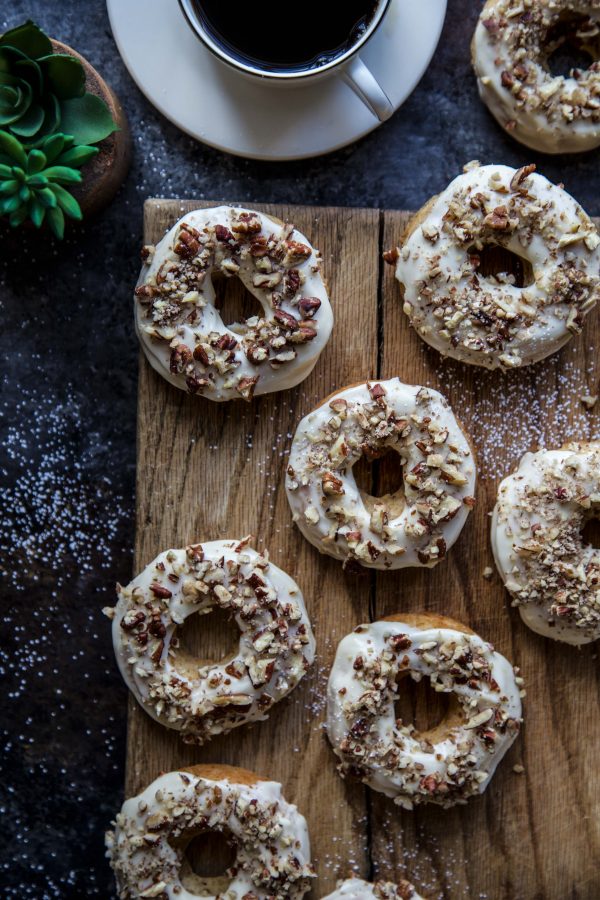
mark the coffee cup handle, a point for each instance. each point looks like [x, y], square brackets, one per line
[365, 85]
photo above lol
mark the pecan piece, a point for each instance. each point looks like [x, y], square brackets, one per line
[132, 620]
[181, 356]
[257, 354]
[331, 484]
[223, 235]
[291, 283]
[200, 355]
[195, 384]
[259, 247]
[226, 342]
[296, 251]
[498, 219]
[187, 244]
[246, 223]
[246, 386]
[377, 392]
[520, 175]
[286, 319]
[146, 291]
[303, 334]
[391, 256]
[159, 590]
[492, 25]
[308, 306]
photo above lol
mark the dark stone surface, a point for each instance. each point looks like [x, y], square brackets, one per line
[67, 417]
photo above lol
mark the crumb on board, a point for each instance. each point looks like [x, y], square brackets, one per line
[589, 400]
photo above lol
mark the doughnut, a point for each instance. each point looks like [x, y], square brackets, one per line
[511, 48]
[491, 321]
[446, 764]
[552, 575]
[146, 848]
[198, 698]
[357, 889]
[181, 330]
[414, 526]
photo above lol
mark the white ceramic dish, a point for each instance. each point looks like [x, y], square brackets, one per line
[249, 118]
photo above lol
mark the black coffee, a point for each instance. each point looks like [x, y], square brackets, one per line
[296, 37]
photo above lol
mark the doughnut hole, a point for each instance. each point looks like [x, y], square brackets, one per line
[235, 303]
[205, 639]
[430, 712]
[590, 533]
[571, 45]
[207, 857]
[381, 480]
[496, 263]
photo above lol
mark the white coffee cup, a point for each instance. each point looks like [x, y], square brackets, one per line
[348, 65]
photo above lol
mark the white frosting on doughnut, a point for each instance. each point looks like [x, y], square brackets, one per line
[489, 321]
[454, 761]
[147, 847]
[197, 698]
[414, 529]
[553, 577]
[357, 889]
[510, 48]
[182, 332]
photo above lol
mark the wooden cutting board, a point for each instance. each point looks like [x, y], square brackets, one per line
[208, 470]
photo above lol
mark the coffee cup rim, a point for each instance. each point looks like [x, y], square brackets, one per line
[194, 23]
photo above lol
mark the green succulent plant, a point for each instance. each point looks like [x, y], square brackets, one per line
[43, 92]
[34, 182]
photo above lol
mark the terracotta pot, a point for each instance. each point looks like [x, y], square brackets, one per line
[106, 172]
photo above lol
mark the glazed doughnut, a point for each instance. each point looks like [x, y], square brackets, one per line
[198, 698]
[552, 575]
[511, 47]
[416, 525]
[181, 330]
[147, 847]
[357, 889]
[490, 321]
[454, 760]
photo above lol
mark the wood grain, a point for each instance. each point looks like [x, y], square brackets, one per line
[537, 834]
[210, 470]
[207, 471]
[106, 172]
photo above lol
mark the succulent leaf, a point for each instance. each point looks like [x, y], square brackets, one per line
[53, 146]
[9, 186]
[10, 146]
[18, 217]
[87, 118]
[62, 174]
[10, 204]
[38, 180]
[77, 156]
[37, 212]
[42, 92]
[56, 220]
[36, 161]
[67, 202]
[31, 182]
[29, 123]
[29, 38]
[64, 75]
[47, 197]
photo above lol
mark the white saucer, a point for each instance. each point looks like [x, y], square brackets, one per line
[214, 104]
